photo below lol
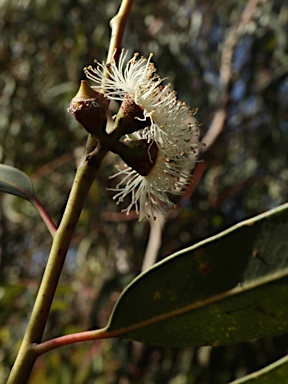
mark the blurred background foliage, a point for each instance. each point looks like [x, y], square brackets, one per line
[44, 46]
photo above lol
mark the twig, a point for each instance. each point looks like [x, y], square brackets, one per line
[154, 242]
[218, 121]
[52, 165]
[118, 24]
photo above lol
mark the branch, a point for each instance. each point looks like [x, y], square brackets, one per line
[28, 354]
[154, 242]
[217, 124]
[31, 345]
[118, 24]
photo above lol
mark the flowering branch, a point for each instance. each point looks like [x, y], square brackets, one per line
[160, 140]
[84, 177]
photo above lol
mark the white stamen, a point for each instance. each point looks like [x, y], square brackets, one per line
[172, 128]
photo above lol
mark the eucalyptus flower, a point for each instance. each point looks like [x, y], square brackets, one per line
[167, 117]
[159, 172]
[167, 125]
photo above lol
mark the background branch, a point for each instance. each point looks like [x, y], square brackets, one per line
[154, 242]
[217, 124]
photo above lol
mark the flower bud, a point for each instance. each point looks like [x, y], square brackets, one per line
[89, 108]
[139, 155]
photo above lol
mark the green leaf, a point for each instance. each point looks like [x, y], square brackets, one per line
[273, 373]
[226, 289]
[16, 182]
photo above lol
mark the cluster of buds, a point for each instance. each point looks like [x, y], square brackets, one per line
[156, 135]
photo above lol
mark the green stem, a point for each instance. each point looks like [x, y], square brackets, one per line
[118, 24]
[83, 179]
